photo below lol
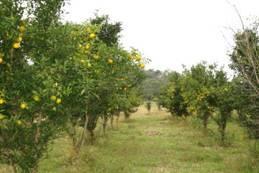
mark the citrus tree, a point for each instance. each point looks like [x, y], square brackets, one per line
[55, 75]
[197, 85]
[203, 91]
[223, 101]
[97, 77]
[30, 42]
[171, 96]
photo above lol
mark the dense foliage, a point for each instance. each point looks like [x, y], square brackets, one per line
[206, 92]
[202, 91]
[57, 77]
[245, 62]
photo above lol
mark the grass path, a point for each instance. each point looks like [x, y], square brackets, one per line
[150, 144]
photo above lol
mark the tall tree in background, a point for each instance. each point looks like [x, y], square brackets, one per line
[245, 61]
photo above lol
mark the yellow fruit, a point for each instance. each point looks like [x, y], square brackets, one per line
[2, 101]
[53, 98]
[58, 101]
[1, 60]
[2, 117]
[96, 57]
[92, 35]
[82, 61]
[19, 122]
[87, 46]
[110, 61]
[142, 66]
[22, 29]
[36, 98]
[23, 105]
[19, 39]
[89, 64]
[138, 58]
[16, 45]
[21, 34]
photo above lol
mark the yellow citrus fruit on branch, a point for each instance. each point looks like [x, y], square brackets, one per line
[89, 64]
[87, 46]
[110, 61]
[2, 101]
[18, 122]
[24, 105]
[138, 58]
[36, 98]
[53, 98]
[19, 39]
[1, 60]
[141, 66]
[82, 61]
[58, 101]
[96, 57]
[22, 29]
[2, 117]
[92, 35]
[16, 45]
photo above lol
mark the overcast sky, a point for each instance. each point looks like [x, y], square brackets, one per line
[172, 32]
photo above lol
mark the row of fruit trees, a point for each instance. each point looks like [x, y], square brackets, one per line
[56, 77]
[205, 91]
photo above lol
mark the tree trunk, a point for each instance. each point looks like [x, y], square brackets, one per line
[222, 130]
[35, 169]
[112, 118]
[91, 132]
[117, 122]
[105, 120]
[14, 167]
[205, 120]
[127, 114]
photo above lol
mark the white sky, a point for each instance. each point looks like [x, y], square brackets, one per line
[172, 32]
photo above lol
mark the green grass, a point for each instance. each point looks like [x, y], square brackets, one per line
[154, 143]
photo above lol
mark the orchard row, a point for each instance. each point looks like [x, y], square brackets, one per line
[204, 91]
[58, 77]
